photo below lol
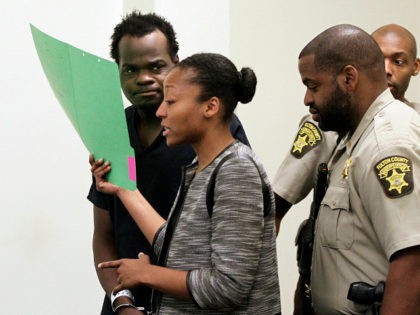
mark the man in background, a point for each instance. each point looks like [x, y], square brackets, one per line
[401, 62]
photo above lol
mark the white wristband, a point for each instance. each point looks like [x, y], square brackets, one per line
[115, 296]
[127, 305]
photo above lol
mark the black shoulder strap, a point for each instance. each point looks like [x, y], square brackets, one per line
[170, 228]
[212, 182]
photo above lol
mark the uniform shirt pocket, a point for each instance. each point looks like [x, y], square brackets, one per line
[335, 226]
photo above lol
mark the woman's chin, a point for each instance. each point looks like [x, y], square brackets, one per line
[171, 142]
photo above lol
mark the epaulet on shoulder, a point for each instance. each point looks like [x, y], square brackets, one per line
[395, 116]
[393, 124]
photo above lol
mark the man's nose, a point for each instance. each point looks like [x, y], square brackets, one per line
[144, 77]
[308, 98]
[388, 67]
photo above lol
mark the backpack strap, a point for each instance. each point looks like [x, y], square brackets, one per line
[212, 183]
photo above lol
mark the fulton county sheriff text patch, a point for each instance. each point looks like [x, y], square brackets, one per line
[395, 173]
[307, 138]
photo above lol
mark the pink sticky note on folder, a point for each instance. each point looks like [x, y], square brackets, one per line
[132, 168]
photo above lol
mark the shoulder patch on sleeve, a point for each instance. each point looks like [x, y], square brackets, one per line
[307, 138]
[395, 173]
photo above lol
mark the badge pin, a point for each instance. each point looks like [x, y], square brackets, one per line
[347, 164]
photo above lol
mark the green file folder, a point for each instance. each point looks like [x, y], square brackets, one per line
[88, 89]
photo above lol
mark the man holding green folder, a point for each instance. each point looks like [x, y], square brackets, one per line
[145, 49]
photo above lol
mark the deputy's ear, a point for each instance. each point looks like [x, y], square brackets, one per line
[212, 107]
[348, 78]
[416, 67]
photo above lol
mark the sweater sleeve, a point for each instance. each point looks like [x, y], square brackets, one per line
[237, 233]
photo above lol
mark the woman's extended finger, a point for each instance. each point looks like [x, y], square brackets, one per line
[143, 257]
[109, 264]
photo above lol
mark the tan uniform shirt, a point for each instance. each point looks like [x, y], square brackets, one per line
[296, 175]
[371, 207]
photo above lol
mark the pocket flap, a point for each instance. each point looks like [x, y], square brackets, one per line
[337, 198]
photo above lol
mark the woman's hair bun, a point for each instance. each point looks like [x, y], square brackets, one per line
[247, 85]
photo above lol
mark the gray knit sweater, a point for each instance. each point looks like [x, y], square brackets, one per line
[231, 256]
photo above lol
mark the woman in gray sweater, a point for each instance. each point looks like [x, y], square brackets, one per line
[217, 252]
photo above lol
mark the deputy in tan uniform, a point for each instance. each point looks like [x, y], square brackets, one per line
[368, 227]
[296, 175]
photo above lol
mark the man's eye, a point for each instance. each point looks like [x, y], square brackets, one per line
[399, 62]
[157, 67]
[129, 70]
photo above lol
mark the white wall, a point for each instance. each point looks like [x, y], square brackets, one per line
[45, 234]
[46, 264]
